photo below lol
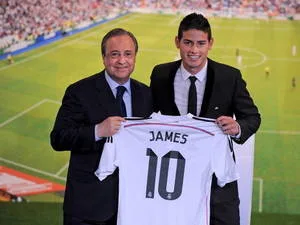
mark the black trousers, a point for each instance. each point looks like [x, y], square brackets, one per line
[70, 220]
[224, 204]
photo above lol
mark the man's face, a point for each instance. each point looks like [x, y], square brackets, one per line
[194, 46]
[119, 58]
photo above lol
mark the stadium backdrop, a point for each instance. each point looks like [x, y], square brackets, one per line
[32, 88]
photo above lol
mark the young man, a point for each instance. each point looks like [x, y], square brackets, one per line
[91, 110]
[215, 91]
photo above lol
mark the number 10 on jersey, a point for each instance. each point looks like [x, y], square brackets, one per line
[163, 174]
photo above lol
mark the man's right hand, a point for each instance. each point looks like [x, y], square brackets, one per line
[109, 126]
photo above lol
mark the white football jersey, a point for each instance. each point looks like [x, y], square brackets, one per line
[165, 166]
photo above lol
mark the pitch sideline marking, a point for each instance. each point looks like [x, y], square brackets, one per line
[22, 113]
[62, 169]
[288, 132]
[24, 166]
[28, 110]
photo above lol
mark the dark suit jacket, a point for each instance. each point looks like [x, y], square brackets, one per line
[225, 94]
[86, 103]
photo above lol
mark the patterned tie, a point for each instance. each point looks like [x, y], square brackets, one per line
[192, 102]
[120, 101]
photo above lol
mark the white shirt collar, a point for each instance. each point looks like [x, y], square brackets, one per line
[113, 84]
[201, 75]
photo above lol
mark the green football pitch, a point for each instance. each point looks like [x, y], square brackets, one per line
[32, 88]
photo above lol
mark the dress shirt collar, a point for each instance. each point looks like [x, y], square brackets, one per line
[113, 84]
[201, 75]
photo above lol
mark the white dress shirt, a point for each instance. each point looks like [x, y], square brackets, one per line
[182, 85]
[181, 90]
[126, 97]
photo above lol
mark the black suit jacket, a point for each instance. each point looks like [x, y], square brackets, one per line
[86, 103]
[225, 94]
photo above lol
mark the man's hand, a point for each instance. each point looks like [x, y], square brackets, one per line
[109, 126]
[228, 125]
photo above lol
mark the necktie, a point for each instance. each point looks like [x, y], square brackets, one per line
[192, 102]
[120, 101]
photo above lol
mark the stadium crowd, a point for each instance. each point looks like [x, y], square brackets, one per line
[27, 19]
[275, 7]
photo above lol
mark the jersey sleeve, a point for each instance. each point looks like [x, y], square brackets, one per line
[107, 163]
[223, 164]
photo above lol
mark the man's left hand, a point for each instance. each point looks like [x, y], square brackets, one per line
[228, 125]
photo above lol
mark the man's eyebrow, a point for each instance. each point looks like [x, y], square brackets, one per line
[126, 50]
[194, 41]
[114, 51]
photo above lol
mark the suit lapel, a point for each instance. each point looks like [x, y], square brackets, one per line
[136, 98]
[208, 88]
[105, 96]
[170, 101]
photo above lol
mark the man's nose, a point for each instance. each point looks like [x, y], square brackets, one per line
[194, 48]
[122, 58]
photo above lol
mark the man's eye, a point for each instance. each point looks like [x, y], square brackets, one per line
[188, 43]
[128, 54]
[114, 54]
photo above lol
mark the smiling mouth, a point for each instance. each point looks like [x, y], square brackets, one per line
[121, 68]
[194, 57]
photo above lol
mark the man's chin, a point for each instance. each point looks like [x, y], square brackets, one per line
[194, 65]
[194, 68]
[122, 77]
[123, 73]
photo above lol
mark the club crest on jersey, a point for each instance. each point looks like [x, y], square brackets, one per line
[170, 136]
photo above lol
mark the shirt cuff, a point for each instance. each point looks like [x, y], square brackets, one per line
[96, 137]
[237, 136]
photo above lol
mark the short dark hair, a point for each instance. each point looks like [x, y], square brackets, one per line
[194, 21]
[117, 32]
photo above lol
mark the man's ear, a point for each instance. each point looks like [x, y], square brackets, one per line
[177, 41]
